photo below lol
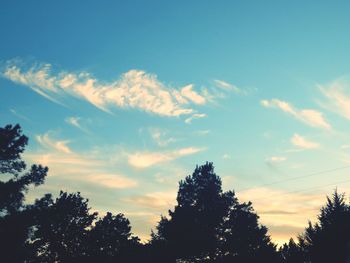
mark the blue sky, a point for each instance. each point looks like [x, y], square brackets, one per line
[122, 99]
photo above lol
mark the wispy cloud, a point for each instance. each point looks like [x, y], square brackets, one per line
[48, 142]
[309, 116]
[155, 200]
[303, 143]
[71, 166]
[190, 94]
[338, 97]
[110, 180]
[276, 159]
[161, 137]
[135, 89]
[195, 116]
[345, 146]
[283, 218]
[19, 115]
[148, 159]
[202, 132]
[76, 122]
[226, 156]
[227, 86]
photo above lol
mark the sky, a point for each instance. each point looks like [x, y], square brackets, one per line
[122, 99]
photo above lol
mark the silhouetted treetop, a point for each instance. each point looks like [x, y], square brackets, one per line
[328, 240]
[209, 225]
[61, 228]
[15, 219]
[12, 144]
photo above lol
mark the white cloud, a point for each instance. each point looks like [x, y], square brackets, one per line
[202, 132]
[192, 95]
[84, 167]
[283, 218]
[160, 137]
[276, 159]
[309, 116]
[226, 156]
[111, 180]
[338, 97]
[227, 86]
[48, 142]
[74, 121]
[19, 115]
[302, 142]
[344, 146]
[134, 89]
[155, 200]
[195, 116]
[148, 159]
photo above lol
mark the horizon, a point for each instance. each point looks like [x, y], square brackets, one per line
[122, 100]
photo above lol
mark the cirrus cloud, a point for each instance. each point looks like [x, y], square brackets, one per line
[303, 143]
[134, 89]
[309, 116]
[148, 159]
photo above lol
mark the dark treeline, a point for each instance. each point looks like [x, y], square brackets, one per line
[206, 225]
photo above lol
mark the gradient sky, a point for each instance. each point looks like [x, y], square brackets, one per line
[121, 99]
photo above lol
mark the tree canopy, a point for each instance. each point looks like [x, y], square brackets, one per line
[207, 224]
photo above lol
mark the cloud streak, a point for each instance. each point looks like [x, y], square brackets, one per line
[227, 86]
[194, 117]
[276, 159]
[338, 100]
[147, 159]
[283, 218]
[303, 143]
[135, 89]
[69, 166]
[310, 117]
[48, 142]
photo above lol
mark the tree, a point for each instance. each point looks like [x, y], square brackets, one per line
[111, 240]
[191, 231]
[292, 252]
[61, 228]
[14, 218]
[328, 240]
[244, 239]
[209, 225]
[12, 145]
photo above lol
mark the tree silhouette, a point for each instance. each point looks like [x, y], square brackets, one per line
[328, 240]
[206, 225]
[111, 240]
[209, 225]
[292, 252]
[61, 228]
[244, 239]
[14, 219]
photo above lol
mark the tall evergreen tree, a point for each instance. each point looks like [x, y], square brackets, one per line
[292, 252]
[328, 240]
[209, 225]
[15, 220]
[244, 239]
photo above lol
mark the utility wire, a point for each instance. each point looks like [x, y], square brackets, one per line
[303, 190]
[295, 178]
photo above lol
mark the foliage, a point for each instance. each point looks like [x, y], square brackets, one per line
[15, 220]
[209, 225]
[206, 225]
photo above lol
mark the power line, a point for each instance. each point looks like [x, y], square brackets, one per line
[296, 178]
[304, 190]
